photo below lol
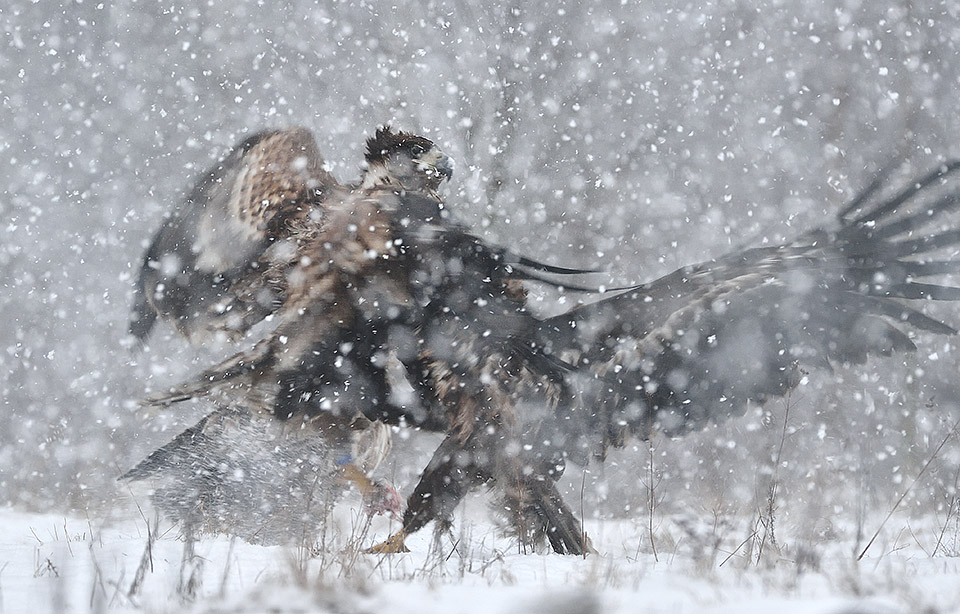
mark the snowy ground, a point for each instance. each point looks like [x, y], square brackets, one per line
[51, 563]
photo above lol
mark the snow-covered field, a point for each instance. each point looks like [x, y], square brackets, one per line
[52, 563]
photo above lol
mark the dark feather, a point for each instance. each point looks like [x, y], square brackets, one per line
[212, 242]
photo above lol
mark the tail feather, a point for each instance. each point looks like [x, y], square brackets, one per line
[924, 268]
[918, 291]
[872, 188]
[562, 527]
[918, 219]
[164, 456]
[260, 358]
[548, 268]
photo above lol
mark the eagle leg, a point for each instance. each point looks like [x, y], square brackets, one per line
[563, 528]
[447, 478]
[353, 474]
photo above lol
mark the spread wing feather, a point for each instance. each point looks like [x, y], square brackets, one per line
[217, 236]
[693, 347]
[704, 342]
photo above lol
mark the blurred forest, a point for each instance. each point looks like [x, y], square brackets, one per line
[633, 136]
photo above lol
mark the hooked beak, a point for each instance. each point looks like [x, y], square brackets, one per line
[445, 166]
[437, 163]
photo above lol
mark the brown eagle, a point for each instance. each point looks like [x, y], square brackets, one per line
[232, 254]
[388, 273]
[208, 268]
[268, 232]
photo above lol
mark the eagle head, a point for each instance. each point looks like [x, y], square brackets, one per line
[406, 159]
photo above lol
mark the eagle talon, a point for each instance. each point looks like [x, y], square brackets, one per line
[393, 545]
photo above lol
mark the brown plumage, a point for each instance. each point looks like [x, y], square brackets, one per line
[389, 274]
[268, 231]
[696, 346]
[210, 245]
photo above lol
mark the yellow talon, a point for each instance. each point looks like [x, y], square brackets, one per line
[393, 545]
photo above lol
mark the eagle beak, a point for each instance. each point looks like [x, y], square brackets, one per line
[445, 166]
[438, 163]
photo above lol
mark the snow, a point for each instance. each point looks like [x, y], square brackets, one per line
[637, 137]
[54, 563]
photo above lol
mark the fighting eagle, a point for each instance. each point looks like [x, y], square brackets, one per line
[383, 272]
[226, 258]
[268, 232]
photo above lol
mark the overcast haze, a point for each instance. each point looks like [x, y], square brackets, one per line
[637, 137]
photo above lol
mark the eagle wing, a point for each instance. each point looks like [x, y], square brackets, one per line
[327, 353]
[203, 269]
[695, 346]
[703, 342]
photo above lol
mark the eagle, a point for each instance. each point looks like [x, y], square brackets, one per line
[385, 272]
[526, 395]
[268, 233]
[204, 269]
[227, 258]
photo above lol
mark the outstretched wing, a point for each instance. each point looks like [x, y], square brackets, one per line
[239, 209]
[695, 346]
[701, 343]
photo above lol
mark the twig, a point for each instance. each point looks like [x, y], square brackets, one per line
[737, 549]
[97, 578]
[916, 539]
[950, 511]
[145, 560]
[768, 526]
[226, 568]
[66, 536]
[2, 568]
[909, 488]
[583, 535]
[452, 550]
[651, 501]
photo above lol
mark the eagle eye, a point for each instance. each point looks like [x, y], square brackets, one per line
[417, 150]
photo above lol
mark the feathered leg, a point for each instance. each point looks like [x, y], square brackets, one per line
[541, 503]
[456, 468]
